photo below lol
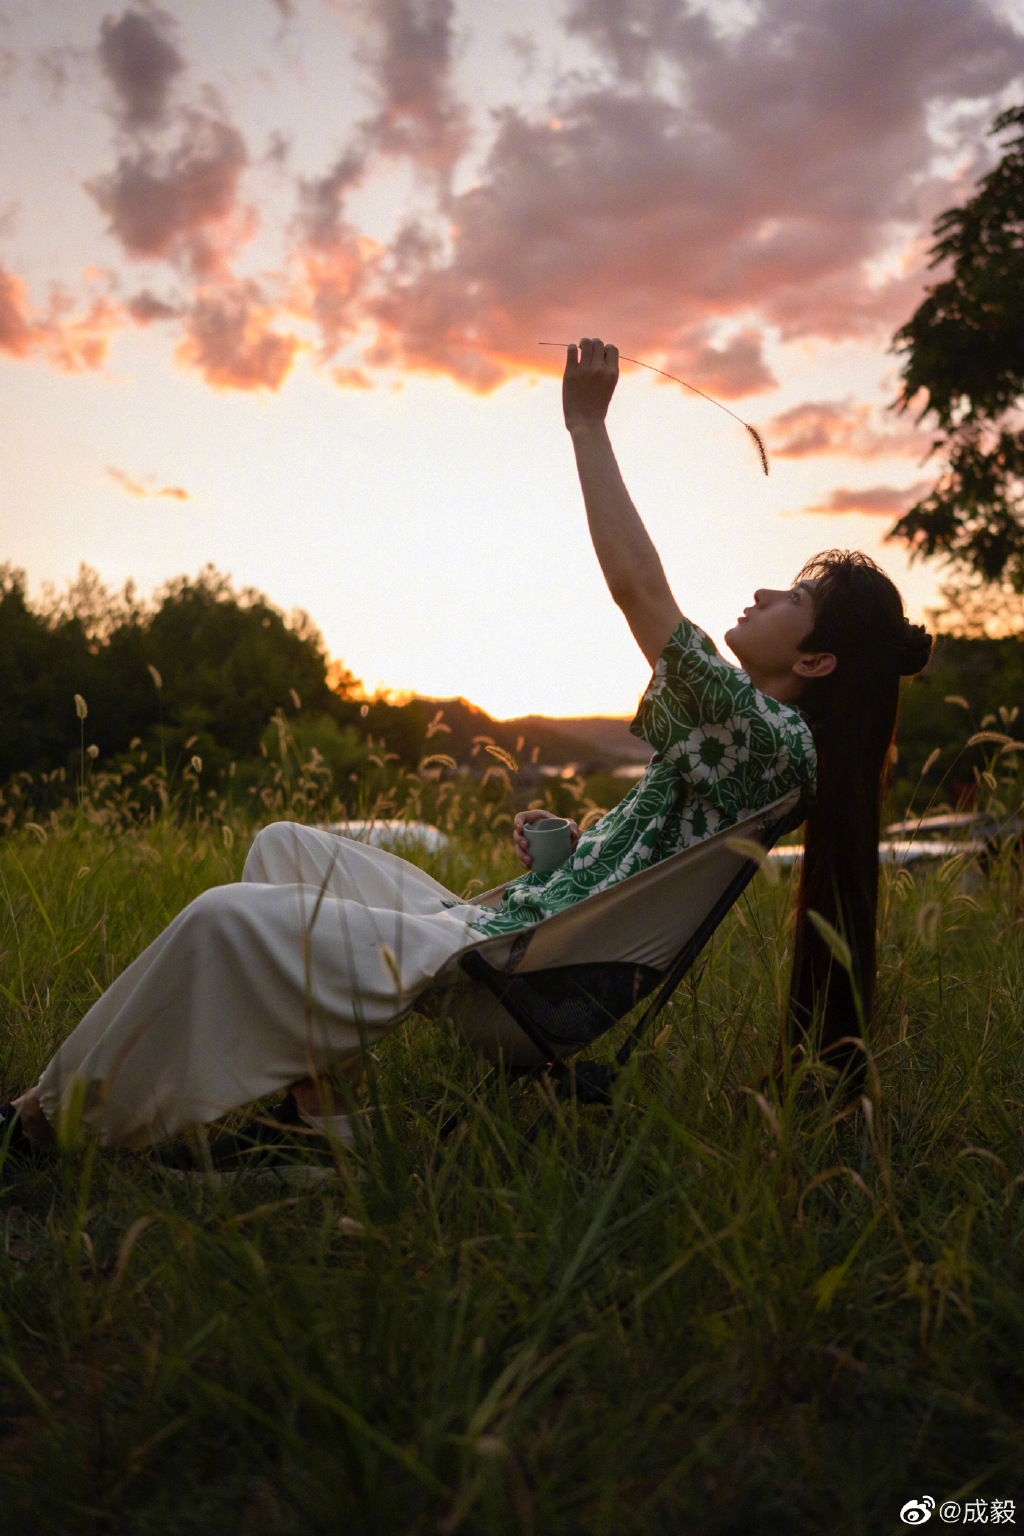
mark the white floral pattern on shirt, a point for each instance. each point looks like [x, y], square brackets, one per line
[722, 751]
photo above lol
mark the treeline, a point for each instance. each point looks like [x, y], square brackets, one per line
[970, 685]
[200, 671]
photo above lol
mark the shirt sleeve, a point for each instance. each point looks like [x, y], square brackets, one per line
[738, 747]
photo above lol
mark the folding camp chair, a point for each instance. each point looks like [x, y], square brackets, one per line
[535, 998]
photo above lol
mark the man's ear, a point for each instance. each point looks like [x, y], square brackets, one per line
[815, 664]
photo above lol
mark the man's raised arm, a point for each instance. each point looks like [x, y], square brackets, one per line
[630, 563]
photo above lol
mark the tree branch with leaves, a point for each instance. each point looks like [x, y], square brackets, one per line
[963, 351]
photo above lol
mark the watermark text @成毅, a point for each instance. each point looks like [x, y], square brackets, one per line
[957, 1512]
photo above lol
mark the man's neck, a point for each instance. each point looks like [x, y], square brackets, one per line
[782, 686]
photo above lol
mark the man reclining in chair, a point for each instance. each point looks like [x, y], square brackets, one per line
[325, 944]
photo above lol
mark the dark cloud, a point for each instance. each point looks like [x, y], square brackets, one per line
[141, 489]
[523, 46]
[144, 307]
[320, 218]
[633, 35]
[230, 341]
[875, 500]
[277, 150]
[840, 426]
[180, 206]
[54, 68]
[410, 65]
[141, 63]
[8, 66]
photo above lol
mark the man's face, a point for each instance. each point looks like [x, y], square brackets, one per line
[766, 639]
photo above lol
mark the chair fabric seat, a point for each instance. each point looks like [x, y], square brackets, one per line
[570, 1005]
[552, 989]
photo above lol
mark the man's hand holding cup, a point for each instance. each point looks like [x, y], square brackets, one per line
[543, 848]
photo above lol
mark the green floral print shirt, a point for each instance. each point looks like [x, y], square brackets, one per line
[722, 751]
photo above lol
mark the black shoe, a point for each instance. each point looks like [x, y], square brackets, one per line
[17, 1149]
[278, 1144]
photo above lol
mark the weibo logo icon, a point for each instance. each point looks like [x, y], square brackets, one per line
[917, 1511]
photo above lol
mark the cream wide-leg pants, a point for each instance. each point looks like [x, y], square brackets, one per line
[321, 948]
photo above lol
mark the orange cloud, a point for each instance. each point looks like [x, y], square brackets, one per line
[138, 488]
[72, 341]
[875, 500]
[16, 338]
[229, 340]
[331, 288]
[351, 378]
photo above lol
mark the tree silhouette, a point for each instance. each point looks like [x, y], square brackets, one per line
[42, 665]
[226, 662]
[964, 352]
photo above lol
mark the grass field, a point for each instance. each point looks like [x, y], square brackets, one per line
[704, 1311]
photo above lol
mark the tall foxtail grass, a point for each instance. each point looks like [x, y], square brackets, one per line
[714, 1308]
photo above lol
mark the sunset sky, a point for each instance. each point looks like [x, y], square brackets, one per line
[273, 274]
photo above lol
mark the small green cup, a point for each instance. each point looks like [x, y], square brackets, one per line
[550, 843]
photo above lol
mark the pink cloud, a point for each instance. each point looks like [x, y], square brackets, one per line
[181, 206]
[875, 500]
[333, 261]
[758, 187]
[733, 368]
[409, 64]
[840, 426]
[687, 195]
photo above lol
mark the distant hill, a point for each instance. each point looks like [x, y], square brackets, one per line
[607, 735]
[460, 729]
